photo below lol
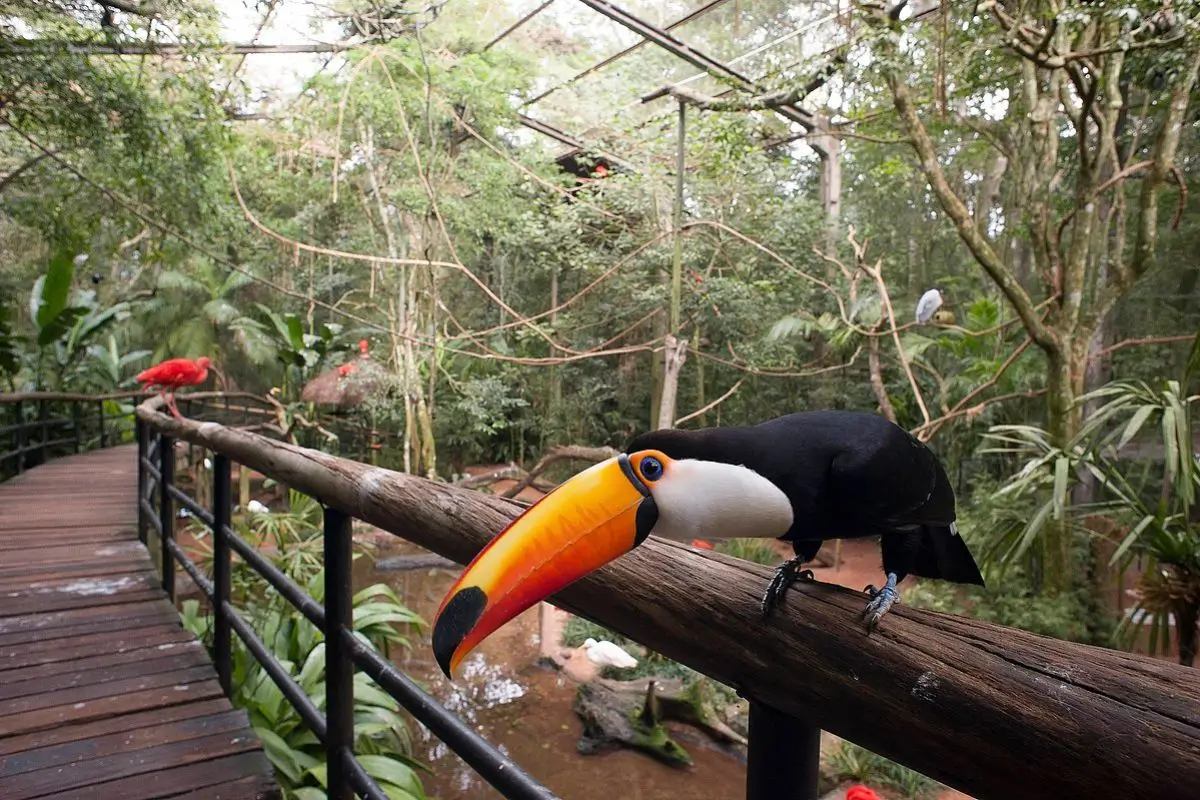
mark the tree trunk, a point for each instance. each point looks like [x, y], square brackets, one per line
[674, 356]
[1062, 424]
[877, 384]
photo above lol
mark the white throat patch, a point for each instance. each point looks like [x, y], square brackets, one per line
[698, 499]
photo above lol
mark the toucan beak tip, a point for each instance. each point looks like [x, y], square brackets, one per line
[460, 615]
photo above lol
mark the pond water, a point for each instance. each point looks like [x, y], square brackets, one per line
[526, 710]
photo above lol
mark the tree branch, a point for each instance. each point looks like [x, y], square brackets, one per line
[958, 212]
[1145, 255]
[151, 8]
[711, 405]
[570, 452]
[16, 173]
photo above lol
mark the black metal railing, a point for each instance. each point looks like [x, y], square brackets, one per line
[344, 650]
[37, 427]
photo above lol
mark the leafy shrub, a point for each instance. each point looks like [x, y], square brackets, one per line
[850, 762]
[382, 740]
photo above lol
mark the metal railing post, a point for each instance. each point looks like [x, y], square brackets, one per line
[222, 579]
[75, 423]
[783, 761]
[19, 421]
[44, 419]
[100, 409]
[166, 514]
[339, 668]
[143, 449]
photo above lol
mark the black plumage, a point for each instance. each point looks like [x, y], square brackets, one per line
[848, 475]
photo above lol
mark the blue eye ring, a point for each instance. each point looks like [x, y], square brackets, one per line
[651, 468]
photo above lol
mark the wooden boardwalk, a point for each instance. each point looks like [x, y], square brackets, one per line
[103, 694]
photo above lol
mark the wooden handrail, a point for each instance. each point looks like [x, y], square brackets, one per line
[992, 711]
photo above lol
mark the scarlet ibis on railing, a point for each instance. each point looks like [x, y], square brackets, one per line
[173, 373]
[803, 478]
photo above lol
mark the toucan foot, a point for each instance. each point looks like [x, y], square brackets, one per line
[786, 574]
[882, 600]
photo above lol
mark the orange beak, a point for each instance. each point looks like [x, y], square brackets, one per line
[595, 517]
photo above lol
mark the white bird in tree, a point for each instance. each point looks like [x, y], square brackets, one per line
[607, 654]
[929, 303]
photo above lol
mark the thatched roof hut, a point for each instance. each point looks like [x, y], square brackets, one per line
[347, 385]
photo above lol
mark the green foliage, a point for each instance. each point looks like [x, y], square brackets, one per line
[850, 762]
[382, 737]
[755, 550]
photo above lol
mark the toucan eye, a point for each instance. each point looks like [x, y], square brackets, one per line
[652, 468]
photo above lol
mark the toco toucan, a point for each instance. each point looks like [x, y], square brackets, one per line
[804, 478]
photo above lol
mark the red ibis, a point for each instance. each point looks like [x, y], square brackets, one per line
[173, 373]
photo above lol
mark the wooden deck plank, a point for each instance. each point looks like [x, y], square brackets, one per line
[66, 753]
[86, 663]
[103, 693]
[132, 665]
[137, 616]
[195, 779]
[120, 723]
[80, 616]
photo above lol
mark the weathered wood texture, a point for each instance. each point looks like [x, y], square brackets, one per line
[995, 712]
[102, 691]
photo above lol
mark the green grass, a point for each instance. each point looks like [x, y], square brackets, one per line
[756, 550]
[850, 762]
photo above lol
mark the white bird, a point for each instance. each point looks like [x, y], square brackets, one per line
[607, 654]
[930, 302]
[255, 507]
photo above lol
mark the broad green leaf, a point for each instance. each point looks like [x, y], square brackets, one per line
[55, 289]
[1131, 538]
[1062, 473]
[309, 793]
[282, 756]
[60, 324]
[314, 667]
[385, 769]
[1135, 424]
[295, 332]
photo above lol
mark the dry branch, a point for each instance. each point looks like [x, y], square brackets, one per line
[569, 452]
[991, 711]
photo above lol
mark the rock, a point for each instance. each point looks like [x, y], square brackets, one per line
[632, 713]
[407, 563]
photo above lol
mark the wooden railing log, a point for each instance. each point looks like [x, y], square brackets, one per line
[995, 712]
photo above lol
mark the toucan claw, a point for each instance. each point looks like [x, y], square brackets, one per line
[785, 575]
[881, 601]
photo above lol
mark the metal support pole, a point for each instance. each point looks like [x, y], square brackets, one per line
[100, 414]
[19, 421]
[784, 758]
[166, 514]
[143, 448]
[43, 418]
[222, 631]
[339, 668]
[75, 423]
